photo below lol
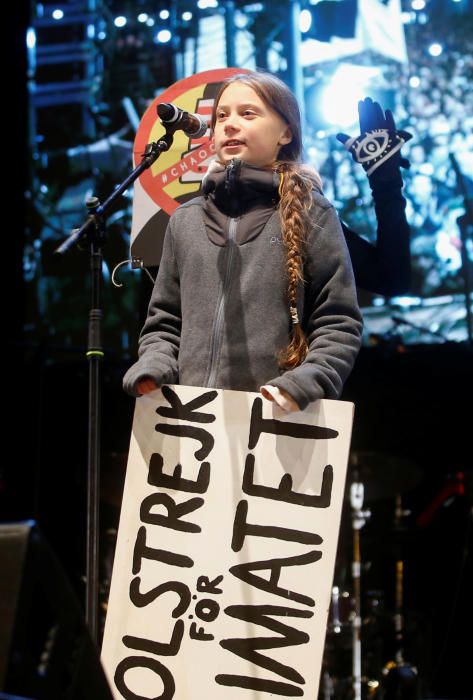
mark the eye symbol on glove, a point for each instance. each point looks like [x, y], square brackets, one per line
[371, 146]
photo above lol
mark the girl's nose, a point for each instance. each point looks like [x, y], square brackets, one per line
[231, 123]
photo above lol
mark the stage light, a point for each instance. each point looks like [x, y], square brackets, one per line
[206, 4]
[305, 21]
[30, 38]
[339, 105]
[142, 17]
[150, 22]
[119, 21]
[164, 14]
[414, 81]
[340, 98]
[418, 4]
[408, 17]
[57, 14]
[435, 49]
[187, 16]
[405, 301]
[240, 20]
[163, 36]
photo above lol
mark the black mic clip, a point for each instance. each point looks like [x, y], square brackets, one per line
[173, 118]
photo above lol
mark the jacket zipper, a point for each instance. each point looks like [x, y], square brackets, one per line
[217, 338]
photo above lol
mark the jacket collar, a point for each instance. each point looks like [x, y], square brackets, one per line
[239, 186]
[238, 191]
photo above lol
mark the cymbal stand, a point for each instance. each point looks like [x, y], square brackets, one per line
[399, 591]
[358, 519]
[400, 676]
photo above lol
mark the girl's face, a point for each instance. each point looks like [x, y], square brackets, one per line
[247, 128]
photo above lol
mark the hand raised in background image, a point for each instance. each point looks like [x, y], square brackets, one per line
[378, 147]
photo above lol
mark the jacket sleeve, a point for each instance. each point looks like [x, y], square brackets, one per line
[160, 336]
[332, 319]
[384, 267]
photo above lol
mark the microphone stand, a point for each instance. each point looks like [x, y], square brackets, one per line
[401, 321]
[93, 231]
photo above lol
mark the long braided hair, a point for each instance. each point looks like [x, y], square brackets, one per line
[296, 184]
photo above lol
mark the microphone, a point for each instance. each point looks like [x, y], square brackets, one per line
[192, 125]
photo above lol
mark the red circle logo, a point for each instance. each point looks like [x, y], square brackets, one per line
[176, 175]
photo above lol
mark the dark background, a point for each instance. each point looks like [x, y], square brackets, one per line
[413, 410]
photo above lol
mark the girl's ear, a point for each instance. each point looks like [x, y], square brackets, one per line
[286, 136]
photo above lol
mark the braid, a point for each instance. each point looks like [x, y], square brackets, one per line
[297, 184]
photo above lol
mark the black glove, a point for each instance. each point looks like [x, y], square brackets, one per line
[379, 143]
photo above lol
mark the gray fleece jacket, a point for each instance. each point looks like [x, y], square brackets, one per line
[219, 314]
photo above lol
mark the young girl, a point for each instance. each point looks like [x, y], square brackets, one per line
[255, 289]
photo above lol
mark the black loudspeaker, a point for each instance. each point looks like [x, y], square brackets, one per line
[46, 652]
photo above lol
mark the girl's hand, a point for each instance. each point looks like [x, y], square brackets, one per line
[145, 386]
[279, 396]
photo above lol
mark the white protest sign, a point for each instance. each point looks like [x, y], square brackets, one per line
[226, 547]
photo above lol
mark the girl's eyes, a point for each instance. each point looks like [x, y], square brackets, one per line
[245, 113]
